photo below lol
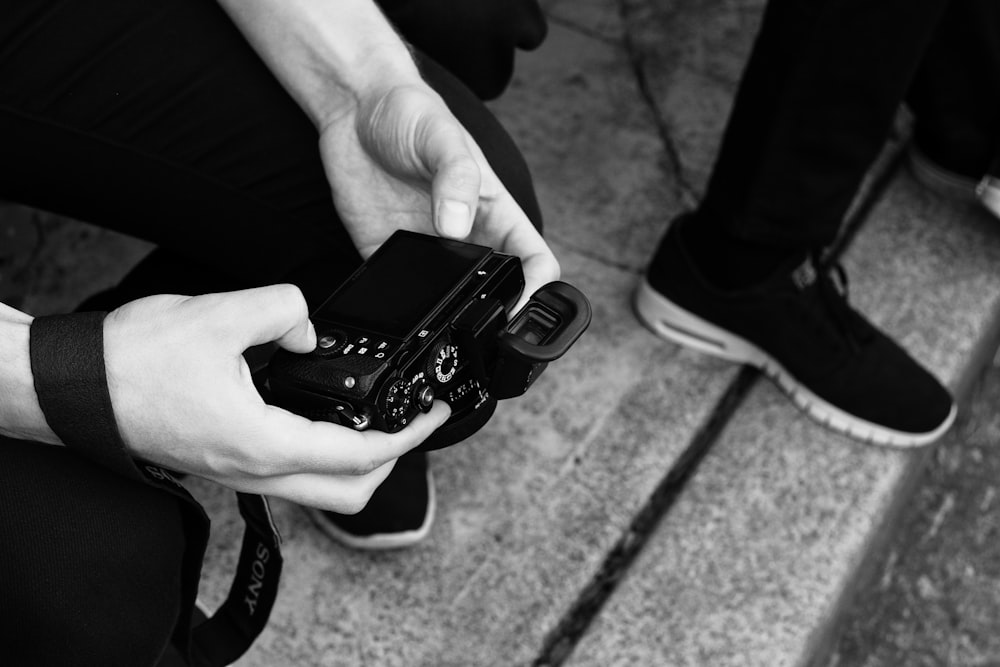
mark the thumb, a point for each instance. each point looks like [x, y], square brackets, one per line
[456, 177]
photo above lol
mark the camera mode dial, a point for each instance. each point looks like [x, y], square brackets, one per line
[444, 363]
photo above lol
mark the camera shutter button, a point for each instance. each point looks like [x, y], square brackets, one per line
[330, 342]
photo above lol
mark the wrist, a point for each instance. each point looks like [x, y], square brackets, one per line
[21, 416]
[364, 87]
[330, 56]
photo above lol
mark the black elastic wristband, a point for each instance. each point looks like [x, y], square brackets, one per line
[67, 362]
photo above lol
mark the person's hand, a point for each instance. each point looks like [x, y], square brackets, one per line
[395, 155]
[399, 159]
[183, 398]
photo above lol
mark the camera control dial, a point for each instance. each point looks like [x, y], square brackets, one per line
[397, 400]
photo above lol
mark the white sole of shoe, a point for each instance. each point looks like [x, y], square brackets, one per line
[988, 192]
[668, 320]
[380, 541]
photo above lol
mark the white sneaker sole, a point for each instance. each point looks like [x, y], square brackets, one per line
[988, 192]
[380, 541]
[670, 321]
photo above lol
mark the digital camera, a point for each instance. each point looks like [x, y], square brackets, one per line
[425, 318]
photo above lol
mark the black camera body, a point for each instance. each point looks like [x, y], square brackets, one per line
[425, 318]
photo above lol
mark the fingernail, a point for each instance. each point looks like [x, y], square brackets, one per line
[453, 219]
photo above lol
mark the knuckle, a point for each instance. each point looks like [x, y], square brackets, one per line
[364, 465]
[257, 460]
[259, 464]
[463, 173]
[248, 465]
[291, 296]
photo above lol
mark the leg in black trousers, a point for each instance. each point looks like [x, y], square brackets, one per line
[954, 96]
[221, 167]
[816, 101]
[475, 41]
[91, 562]
[158, 120]
[741, 276]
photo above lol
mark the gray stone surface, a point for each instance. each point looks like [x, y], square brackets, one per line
[593, 147]
[751, 565]
[690, 55]
[50, 264]
[934, 598]
[599, 18]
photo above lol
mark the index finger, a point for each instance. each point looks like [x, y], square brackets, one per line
[537, 261]
[539, 270]
[261, 315]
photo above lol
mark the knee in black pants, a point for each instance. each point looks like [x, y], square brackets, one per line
[475, 41]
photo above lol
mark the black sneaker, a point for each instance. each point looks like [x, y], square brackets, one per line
[799, 329]
[399, 514]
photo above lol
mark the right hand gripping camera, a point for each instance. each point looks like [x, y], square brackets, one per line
[425, 318]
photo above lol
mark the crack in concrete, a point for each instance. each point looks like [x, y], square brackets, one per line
[587, 253]
[573, 625]
[683, 189]
[23, 273]
[561, 641]
[581, 29]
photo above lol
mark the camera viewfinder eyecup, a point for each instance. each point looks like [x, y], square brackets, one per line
[544, 330]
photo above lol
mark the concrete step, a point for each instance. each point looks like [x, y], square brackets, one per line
[759, 550]
[772, 533]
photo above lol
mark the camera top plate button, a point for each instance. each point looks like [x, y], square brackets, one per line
[369, 347]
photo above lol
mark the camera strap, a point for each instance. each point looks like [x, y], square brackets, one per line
[67, 363]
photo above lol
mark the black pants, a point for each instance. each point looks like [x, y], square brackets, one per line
[818, 98]
[155, 118]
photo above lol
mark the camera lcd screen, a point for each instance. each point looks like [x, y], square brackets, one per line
[401, 283]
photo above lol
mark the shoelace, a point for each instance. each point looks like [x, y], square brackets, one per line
[832, 287]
